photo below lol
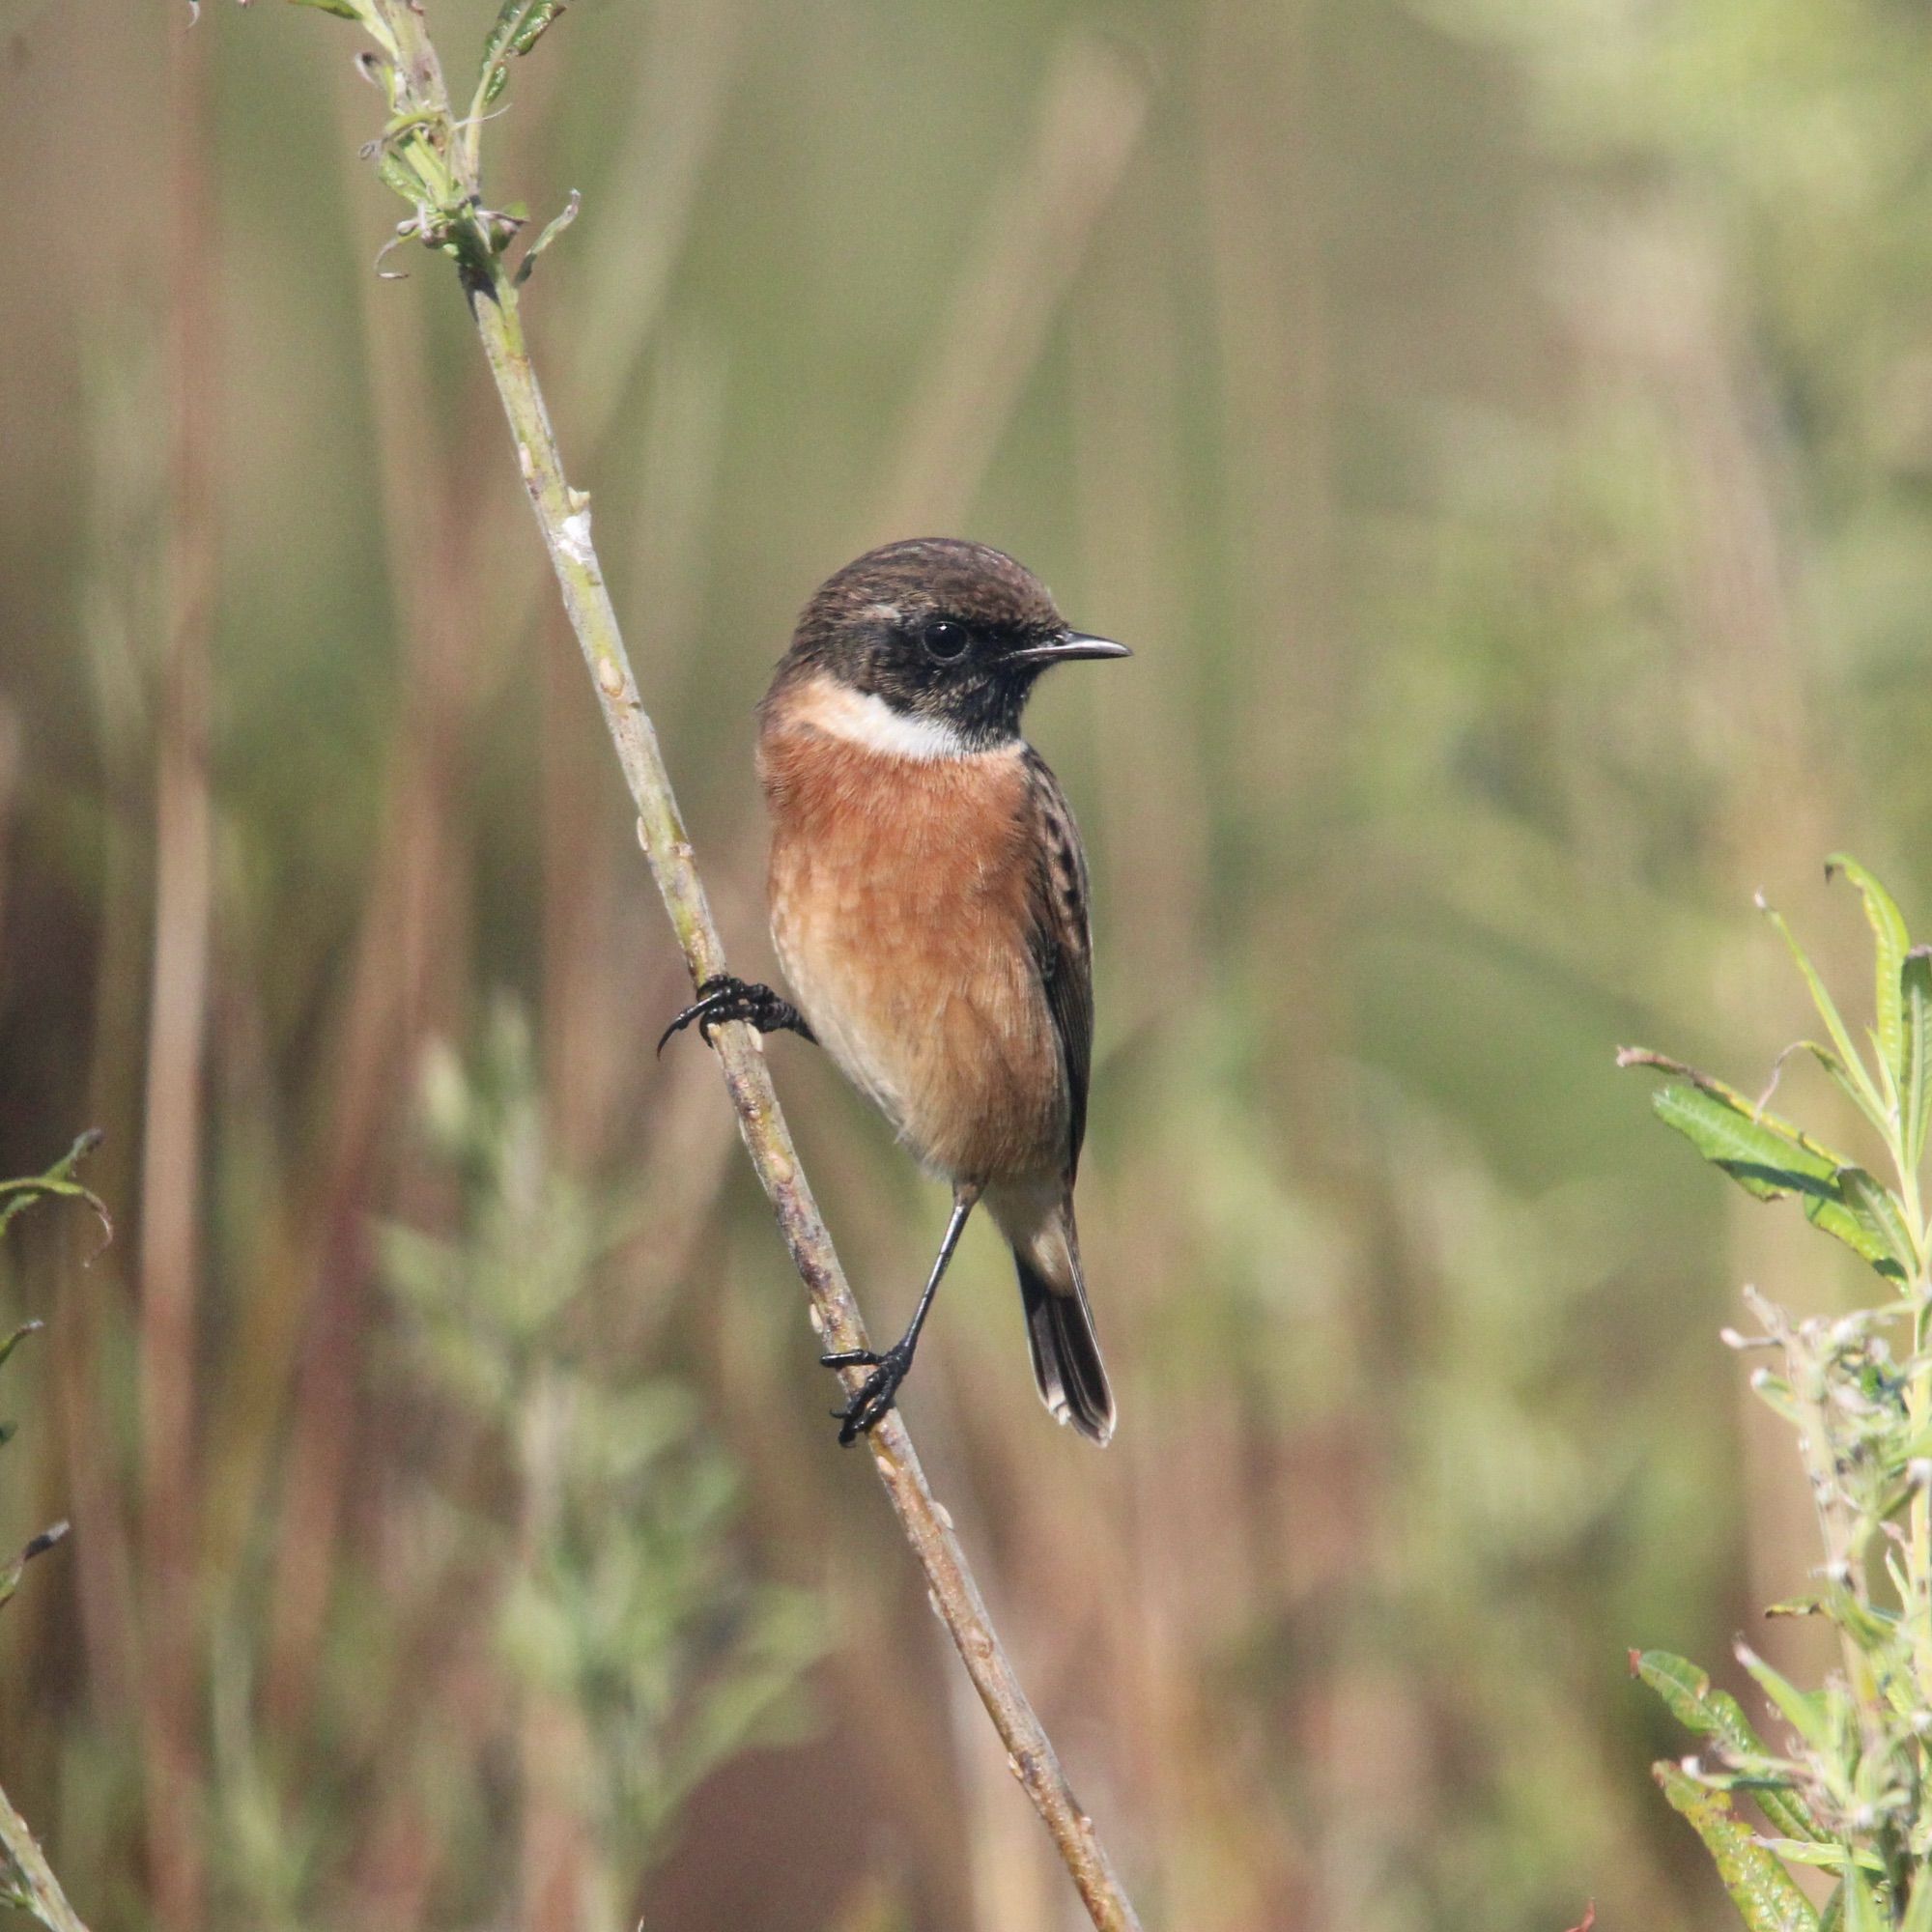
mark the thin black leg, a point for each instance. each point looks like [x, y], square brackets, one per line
[726, 999]
[877, 1393]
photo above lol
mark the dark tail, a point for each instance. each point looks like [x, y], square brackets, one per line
[1059, 1331]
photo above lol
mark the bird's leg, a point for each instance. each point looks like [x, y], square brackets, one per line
[877, 1392]
[725, 998]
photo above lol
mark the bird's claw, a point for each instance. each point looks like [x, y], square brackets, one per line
[723, 998]
[875, 1395]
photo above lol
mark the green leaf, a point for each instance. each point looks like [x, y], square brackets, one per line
[18, 1336]
[1892, 941]
[1915, 1080]
[1832, 1856]
[403, 180]
[1804, 1709]
[1879, 1214]
[1699, 1706]
[343, 9]
[1918, 1913]
[1760, 1888]
[1863, 1912]
[500, 29]
[58, 1180]
[551, 230]
[39, 1546]
[536, 24]
[517, 27]
[1860, 1086]
[1755, 1111]
[1769, 1159]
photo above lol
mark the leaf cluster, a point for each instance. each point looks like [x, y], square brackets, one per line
[425, 152]
[608, 1521]
[1844, 1789]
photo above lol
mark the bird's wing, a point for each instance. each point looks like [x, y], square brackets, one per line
[1062, 943]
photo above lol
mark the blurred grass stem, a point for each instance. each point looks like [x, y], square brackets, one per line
[424, 136]
[173, 1122]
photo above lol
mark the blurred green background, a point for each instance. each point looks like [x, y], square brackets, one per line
[1503, 428]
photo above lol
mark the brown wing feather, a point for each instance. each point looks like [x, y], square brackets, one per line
[1061, 942]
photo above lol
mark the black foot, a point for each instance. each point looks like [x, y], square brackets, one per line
[876, 1393]
[726, 999]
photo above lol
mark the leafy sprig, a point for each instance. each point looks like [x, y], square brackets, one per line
[27, 1882]
[1843, 1791]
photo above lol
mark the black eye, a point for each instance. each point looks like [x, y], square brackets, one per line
[942, 637]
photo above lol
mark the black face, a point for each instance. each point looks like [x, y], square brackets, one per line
[939, 629]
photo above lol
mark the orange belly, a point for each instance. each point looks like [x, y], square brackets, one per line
[900, 895]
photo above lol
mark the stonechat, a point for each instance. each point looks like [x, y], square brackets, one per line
[928, 904]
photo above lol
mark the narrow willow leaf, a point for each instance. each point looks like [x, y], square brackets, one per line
[1804, 1709]
[517, 29]
[1854, 1085]
[551, 230]
[1871, 1102]
[1891, 942]
[1699, 1706]
[1879, 1214]
[18, 1336]
[1915, 1083]
[9, 1577]
[1767, 1899]
[1832, 1857]
[508, 16]
[1918, 1913]
[59, 1180]
[1768, 1164]
[1832, 1919]
[1872, 1625]
[402, 179]
[343, 9]
[537, 23]
[1753, 1111]
[1863, 1912]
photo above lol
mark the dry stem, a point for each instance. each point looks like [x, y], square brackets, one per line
[40, 1890]
[427, 139]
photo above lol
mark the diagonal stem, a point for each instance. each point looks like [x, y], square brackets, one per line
[563, 516]
[38, 1891]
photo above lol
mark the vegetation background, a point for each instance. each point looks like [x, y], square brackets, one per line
[1503, 428]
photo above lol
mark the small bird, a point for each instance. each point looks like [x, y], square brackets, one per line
[928, 903]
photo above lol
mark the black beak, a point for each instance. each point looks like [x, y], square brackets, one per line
[1068, 646]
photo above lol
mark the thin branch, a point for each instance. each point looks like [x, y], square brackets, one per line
[27, 1882]
[35, 1886]
[424, 144]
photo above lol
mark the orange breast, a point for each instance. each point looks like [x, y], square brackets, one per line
[900, 902]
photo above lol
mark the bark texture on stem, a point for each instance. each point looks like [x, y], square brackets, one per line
[429, 141]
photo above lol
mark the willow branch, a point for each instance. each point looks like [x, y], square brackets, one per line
[433, 161]
[32, 1884]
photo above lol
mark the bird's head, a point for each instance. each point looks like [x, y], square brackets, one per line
[948, 635]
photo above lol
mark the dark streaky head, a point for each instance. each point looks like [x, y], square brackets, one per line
[947, 632]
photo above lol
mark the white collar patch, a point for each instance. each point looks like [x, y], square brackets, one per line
[864, 717]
